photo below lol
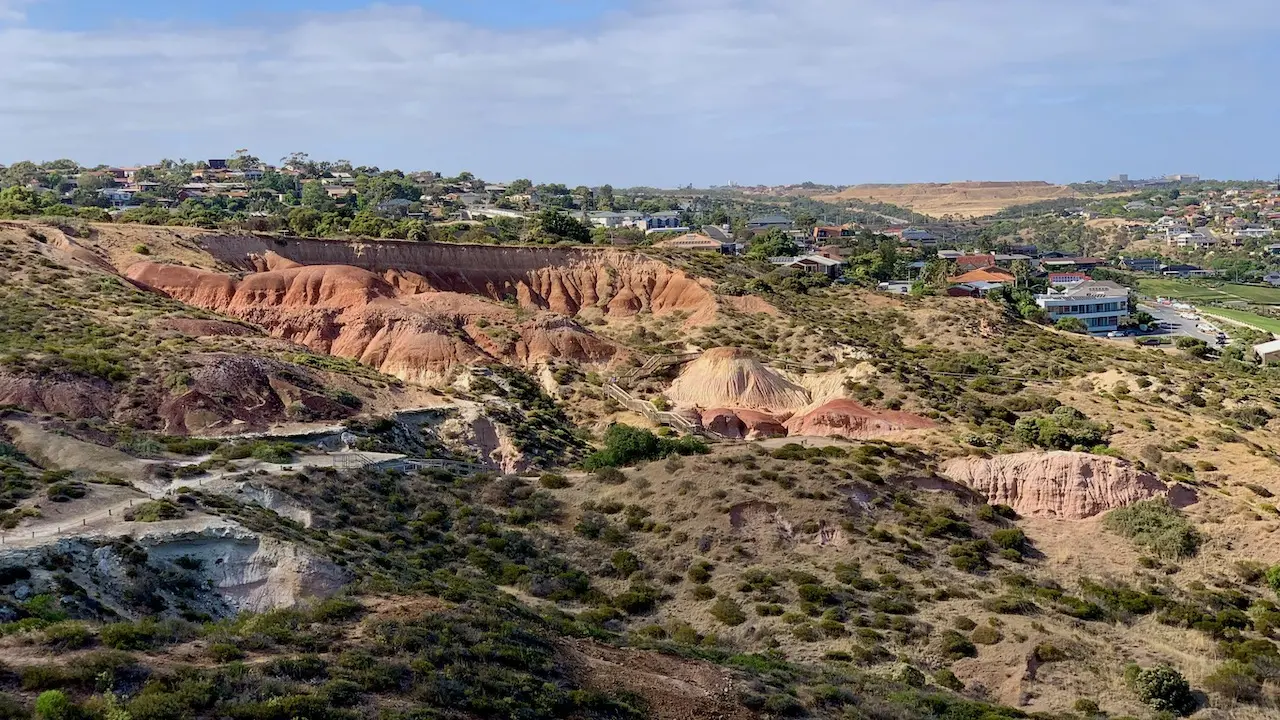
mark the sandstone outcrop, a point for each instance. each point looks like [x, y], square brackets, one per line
[561, 280]
[1060, 484]
[733, 378]
[849, 419]
[742, 424]
[398, 326]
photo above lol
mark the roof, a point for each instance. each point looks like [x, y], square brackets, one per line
[987, 274]
[827, 262]
[1093, 288]
[1267, 347]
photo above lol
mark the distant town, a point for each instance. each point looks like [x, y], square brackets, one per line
[1070, 259]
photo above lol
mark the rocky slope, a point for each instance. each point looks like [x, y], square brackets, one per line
[1060, 484]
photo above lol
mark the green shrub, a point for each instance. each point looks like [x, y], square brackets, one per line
[703, 592]
[128, 635]
[985, 635]
[224, 652]
[154, 511]
[54, 705]
[728, 611]
[1009, 539]
[964, 623]
[1087, 707]
[955, 646]
[1062, 429]
[67, 635]
[1165, 690]
[1157, 526]
[626, 445]
[554, 481]
[1235, 681]
[947, 679]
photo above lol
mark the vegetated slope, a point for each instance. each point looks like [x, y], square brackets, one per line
[963, 199]
[81, 341]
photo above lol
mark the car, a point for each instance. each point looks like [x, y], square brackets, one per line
[1116, 334]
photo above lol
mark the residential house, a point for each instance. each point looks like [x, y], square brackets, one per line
[217, 164]
[768, 222]
[976, 289]
[919, 238]
[666, 219]
[1184, 271]
[824, 233]
[964, 263]
[1008, 259]
[1141, 264]
[716, 232]
[1028, 250]
[339, 191]
[831, 252]
[991, 274]
[1068, 278]
[1070, 264]
[695, 241]
[810, 263]
[1099, 304]
[118, 197]
[1273, 249]
[396, 207]
[1197, 240]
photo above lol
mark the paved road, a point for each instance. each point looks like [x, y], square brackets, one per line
[1190, 328]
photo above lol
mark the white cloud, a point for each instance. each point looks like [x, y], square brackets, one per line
[406, 87]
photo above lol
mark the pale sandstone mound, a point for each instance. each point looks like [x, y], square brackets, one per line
[742, 424]
[1059, 484]
[848, 419]
[732, 378]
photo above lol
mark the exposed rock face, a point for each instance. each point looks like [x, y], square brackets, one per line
[249, 571]
[742, 424]
[561, 280]
[403, 330]
[849, 419]
[220, 569]
[733, 378]
[1067, 485]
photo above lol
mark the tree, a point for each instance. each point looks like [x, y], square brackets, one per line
[520, 186]
[585, 197]
[304, 220]
[605, 199]
[1021, 270]
[773, 243]
[1071, 324]
[368, 224]
[558, 225]
[315, 197]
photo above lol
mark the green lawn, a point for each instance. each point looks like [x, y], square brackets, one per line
[1269, 324]
[1191, 291]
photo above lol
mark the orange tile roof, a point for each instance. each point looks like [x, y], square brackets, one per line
[987, 274]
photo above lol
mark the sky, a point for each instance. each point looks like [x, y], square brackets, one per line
[655, 92]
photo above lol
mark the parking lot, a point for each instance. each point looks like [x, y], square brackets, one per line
[1167, 315]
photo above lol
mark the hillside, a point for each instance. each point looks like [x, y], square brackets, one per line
[860, 505]
[960, 199]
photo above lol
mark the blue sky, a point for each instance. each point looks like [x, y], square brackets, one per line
[657, 92]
